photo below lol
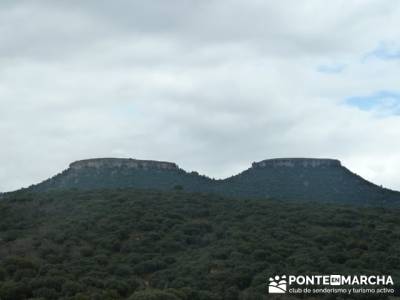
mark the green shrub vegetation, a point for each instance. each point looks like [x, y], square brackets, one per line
[150, 245]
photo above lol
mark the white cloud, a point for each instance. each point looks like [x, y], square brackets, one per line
[210, 85]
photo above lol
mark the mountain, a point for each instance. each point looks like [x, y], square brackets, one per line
[307, 179]
[122, 229]
[107, 173]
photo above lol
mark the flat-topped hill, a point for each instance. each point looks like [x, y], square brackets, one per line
[108, 173]
[309, 179]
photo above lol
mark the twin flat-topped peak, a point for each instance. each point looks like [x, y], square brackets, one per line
[297, 162]
[122, 162]
[309, 179]
[162, 165]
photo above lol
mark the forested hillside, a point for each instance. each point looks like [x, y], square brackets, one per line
[132, 244]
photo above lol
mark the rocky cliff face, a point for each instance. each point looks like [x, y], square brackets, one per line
[297, 162]
[129, 163]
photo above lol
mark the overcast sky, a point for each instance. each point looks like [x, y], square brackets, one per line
[210, 85]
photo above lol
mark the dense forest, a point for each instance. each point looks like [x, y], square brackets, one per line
[143, 244]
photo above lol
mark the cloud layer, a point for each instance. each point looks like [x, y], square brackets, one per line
[211, 85]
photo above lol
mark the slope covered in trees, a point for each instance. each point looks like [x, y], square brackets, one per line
[132, 244]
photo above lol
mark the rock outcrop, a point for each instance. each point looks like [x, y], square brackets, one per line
[297, 162]
[130, 163]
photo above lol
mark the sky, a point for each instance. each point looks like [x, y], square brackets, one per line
[210, 85]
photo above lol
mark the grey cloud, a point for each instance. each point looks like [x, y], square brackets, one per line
[55, 27]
